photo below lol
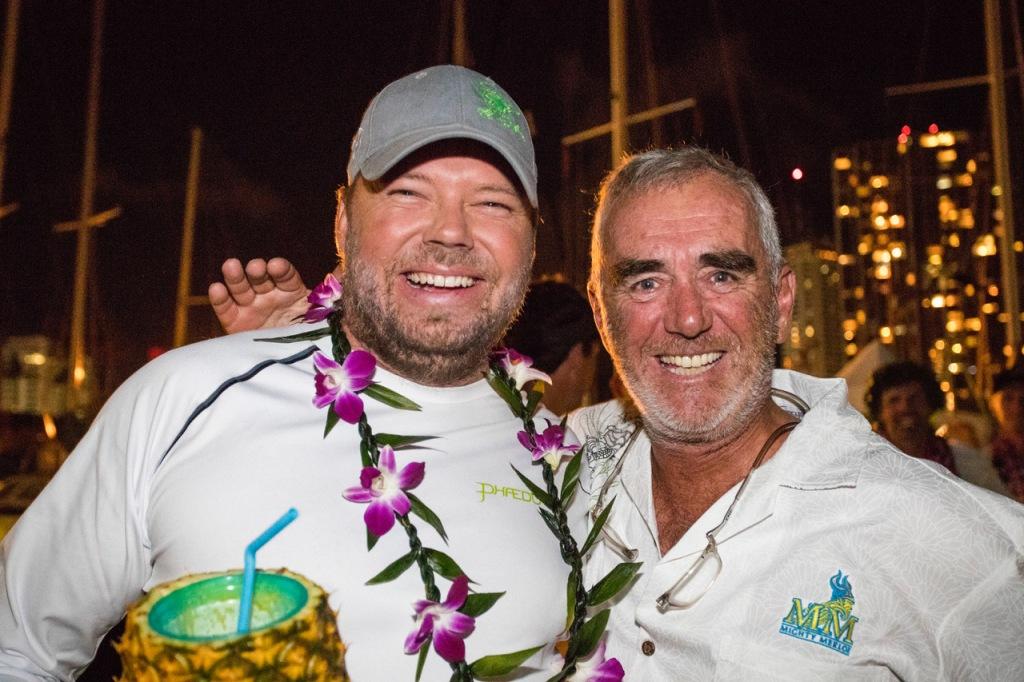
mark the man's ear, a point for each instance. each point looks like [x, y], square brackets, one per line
[340, 223]
[595, 306]
[784, 298]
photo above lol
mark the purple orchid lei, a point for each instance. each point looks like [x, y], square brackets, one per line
[386, 490]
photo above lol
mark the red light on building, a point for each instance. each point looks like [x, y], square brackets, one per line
[905, 130]
[797, 174]
[933, 128]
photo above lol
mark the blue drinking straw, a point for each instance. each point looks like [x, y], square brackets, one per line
[249, 572]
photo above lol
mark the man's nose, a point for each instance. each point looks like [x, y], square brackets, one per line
[687, 313]
[450, 227]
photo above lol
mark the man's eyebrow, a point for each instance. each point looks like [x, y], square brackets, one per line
[631, 267]
[733, 260]
[503, 189]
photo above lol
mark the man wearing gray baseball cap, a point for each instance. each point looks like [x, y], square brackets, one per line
[204, 447]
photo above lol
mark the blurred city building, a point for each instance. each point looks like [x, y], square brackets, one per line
[916, 228]
[815, 344]
[32, 376]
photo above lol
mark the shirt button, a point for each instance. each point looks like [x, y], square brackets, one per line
[647, 648]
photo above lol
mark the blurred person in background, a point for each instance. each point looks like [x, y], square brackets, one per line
[556, 329]
[1007, 448]
[901, 399]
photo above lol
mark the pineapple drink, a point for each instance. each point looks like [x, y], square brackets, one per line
[187, 630]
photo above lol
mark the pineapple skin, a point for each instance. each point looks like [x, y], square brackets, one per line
[307, 647]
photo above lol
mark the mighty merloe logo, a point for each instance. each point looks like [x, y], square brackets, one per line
[829, 624]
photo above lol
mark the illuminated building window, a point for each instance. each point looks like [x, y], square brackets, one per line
[879, 181]
[842, 163]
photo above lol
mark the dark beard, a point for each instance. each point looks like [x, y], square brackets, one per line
[433, 359]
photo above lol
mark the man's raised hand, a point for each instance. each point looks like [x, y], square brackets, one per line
[262, 295]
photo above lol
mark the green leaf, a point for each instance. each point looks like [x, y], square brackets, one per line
[424, 512]
[371, 540]
[610, 585]
[421, 659]
[589, 635]
[537, 491]
[311, 335]
[332, 420]
[534, 396]
[551, 521]
[394, 569]
[506, 392]
[364, 454]
[500, 664]
[480, 603]
[443, 564]
[390, 398]
[398, 442]
[571, 475]
[570, 597]
[596, 530]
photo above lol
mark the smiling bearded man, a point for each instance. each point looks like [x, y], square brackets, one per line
[201, 449]
[781, 538]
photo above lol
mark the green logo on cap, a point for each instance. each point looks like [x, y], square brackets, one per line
[497, 107]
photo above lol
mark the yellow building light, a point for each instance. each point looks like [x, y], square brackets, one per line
[964, 180]
[880, 222]
[843, 211]
[946, 156]
[951, 300]
[848, 335]
[969, 289]
[954, 326]
[940, 344]
[956, 367]
[897, 221]
[881, 256]
[985, 245]
[896, 250]
[966, 220]
[972, 166]
[851, 349]
[957, 348]
[997, 191]
[910, 279]
[944, 385]
[863, 248]
[35, 359]
[1007, 351]
[879, 181]
[845, 259]
[954, 240]
[883, 271]
[938, 301]
[973, 324]
[929, 141]
[1018, 246]
[944, 182]
[946, 139]
[842, 163]
[885, 334]
[809, 331]
[49, 426]
[992, 290]
[879, 205]
[862, 317]
[989, 308]
[935, 259]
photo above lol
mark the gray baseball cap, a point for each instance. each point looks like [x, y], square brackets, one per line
[442, 103]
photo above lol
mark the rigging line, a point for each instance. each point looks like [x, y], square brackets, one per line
[291, 359]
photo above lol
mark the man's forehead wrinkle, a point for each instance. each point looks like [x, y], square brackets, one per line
[734, 260]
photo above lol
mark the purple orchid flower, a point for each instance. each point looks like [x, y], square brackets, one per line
[444, 623]
[385, 490]
[550, 445]
[322, 299]
[596, 668]
[338, 384]
[519, 367]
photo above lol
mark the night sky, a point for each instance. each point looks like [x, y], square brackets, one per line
[278, 88]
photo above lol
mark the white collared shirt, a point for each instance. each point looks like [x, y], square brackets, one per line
[933, 563]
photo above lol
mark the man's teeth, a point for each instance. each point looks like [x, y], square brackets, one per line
[440, 281]
[691, 361]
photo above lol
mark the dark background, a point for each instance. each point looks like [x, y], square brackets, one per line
[278, 88]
